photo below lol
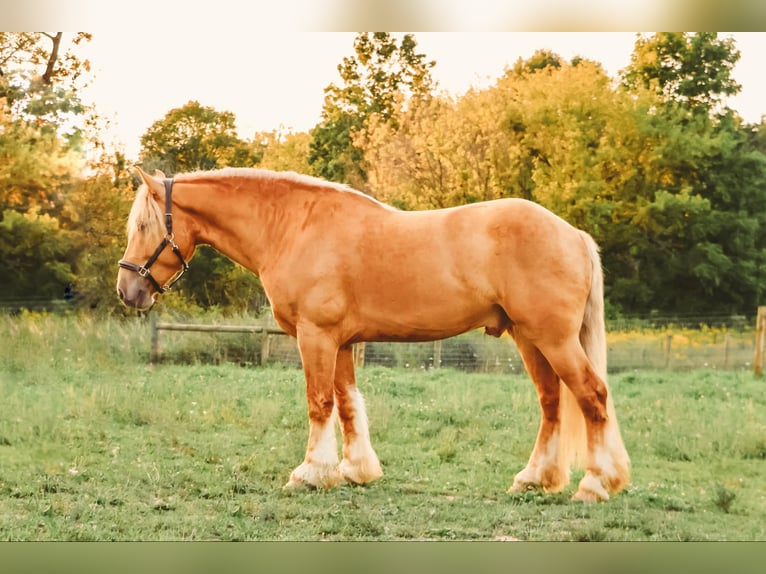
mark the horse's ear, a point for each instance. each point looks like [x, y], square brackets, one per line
[159, 173]
[154, 185]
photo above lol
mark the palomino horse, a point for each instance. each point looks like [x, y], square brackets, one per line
[340, 267]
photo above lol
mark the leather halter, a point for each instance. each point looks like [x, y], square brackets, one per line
[168, 240]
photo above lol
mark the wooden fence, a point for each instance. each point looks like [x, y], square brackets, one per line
[669, 348]
[760, 341]
[158, 326]
[269, 332]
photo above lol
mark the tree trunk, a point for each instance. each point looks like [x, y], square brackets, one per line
[48, 75]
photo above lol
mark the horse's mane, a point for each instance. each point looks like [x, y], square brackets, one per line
[146, 215]
[265, 175]
[262, 174]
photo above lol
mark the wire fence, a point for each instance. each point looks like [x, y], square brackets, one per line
[725, 343]
[639, 350]
[644, 343]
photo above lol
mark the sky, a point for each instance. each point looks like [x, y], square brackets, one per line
[273, 80]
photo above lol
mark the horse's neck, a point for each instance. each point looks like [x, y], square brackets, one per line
[244, 222]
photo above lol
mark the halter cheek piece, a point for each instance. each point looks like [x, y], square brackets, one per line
[143, 270]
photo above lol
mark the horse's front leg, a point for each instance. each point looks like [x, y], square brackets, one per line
[319, 468]
[360, 463]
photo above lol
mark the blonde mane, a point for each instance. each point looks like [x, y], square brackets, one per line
[146, 216]
[265, 175]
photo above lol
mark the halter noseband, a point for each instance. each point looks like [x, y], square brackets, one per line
[143, 270]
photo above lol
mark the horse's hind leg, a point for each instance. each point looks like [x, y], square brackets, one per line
[546, 469]
[607, 463]
[360, 463]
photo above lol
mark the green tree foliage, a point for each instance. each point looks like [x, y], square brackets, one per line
[444, 152]
[529, 136]
[41, 74]
[36, 165]
[36, 255]
[96, 212]
[693, 70]
[195, 137]
[702, 212]
[376, 80]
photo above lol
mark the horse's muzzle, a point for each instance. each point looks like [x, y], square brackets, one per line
[134, 291]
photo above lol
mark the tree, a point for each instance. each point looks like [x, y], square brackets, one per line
[37, 256]
[444, 152]
[95, 214]
[43, 131]
[377, 80]
[565, 121]
[283, 151]
[409, 167]
[195, 137]
[693, 70]
[41, 118]
[530, 135]
[702, 210]
[38, 78]
[539, 61]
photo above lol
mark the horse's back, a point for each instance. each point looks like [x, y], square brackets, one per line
[501, 243]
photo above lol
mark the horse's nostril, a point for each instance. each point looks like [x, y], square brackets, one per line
[121, 294]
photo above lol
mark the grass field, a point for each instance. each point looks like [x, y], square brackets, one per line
[97, 445]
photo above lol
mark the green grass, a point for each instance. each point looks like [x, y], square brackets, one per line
[97, 445]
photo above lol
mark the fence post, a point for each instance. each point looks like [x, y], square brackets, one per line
[760, 336]
[668, 344]
[265, 348]
[155, 353]
[358, 354]
[437, 354]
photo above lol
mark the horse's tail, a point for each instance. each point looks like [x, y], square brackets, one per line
[593, 340]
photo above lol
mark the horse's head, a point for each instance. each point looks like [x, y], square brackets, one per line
[159, 245]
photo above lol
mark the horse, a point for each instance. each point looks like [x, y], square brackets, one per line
[339, 267]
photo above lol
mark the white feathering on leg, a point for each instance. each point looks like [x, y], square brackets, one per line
[360, 463]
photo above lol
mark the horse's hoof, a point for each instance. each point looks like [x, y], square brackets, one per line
[591, 489]
[360, 473]
[313, 476]
[590, 496]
